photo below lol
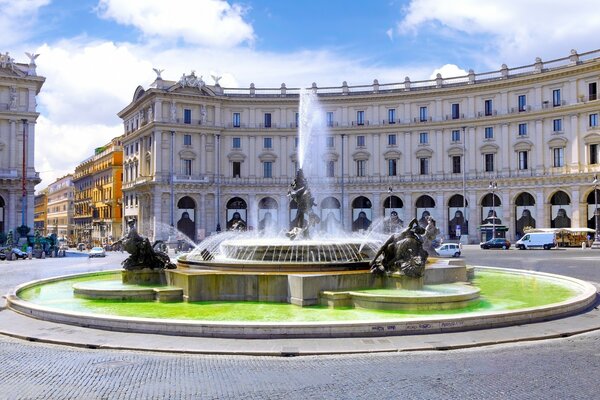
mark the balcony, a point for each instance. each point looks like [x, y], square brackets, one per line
[191, 178]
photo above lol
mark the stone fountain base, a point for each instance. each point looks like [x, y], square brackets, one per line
[302, 288]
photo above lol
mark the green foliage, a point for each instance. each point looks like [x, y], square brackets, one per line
[37, 241]
[23, 230]
[2, 238]
[10, 241]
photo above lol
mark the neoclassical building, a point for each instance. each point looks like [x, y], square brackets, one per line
[59, 216]
[19, 86]
[510, 148]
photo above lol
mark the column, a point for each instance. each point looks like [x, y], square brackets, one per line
[576, 211]
[542, 211]
[30, 148]
[573, 144]
[472, 152]
[473, 214]
[540, 146]
[158, 117]
[505, 150]
[12, 139]
[156, 153]
[407, 153]
[12, 219]
[31, 102]
[440, 213]
[252, 158]
[438, 154]
[203, 154]
[283, 158]
[507, 217]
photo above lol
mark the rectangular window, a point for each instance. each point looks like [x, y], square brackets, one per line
[296, 141]
[424, 166]
[236, 143]
[489, 162]
[236, 120]
[592, 91]
[594, 153]
[329, 118]
[360, 118]
[523, 164]
[489, 132]
[360, 141]
[523, 129]
[329, 141]
[137, 147]
[423, 137]
[392, 139]
[267, 120]
[456, 135]
[330, 169]
[187, 140]
[392, 167]
[392, 116]
[267, 169]
[186, 167]
[187, 116]
[522, 102]
[455, 111]
[297, 120]
[236, 167]
[361, 166]
[558, 156]
[126, 150]
[593, 119]
[487, 105]
[557, 125]
[422, 114]
[556, 97]
[456, 164]
[268, 143]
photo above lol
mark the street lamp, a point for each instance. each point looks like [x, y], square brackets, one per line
[390, 191]
[493, 187]
[464, 177]
[597, 236]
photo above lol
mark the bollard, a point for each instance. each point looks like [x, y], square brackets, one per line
[582, 245]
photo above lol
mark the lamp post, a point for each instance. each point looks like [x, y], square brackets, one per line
[597, 233]
[342, 183]
[493, 187]
[218, 228]
[390, 191]
[464, 178]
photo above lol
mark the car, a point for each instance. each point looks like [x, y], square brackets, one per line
[97, 252]
[18, 253]
[496, 243]
[2, 256]
[449, 250]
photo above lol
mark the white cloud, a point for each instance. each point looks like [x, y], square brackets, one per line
[448, 71]
[514, 31]
[16, 20]
[213, 23]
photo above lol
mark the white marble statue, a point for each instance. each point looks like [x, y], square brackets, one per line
[173, 112]
[158, 72]
[202, 114]
[216, 79]
[32, 66]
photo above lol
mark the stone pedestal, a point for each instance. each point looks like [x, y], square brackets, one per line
[144, 276]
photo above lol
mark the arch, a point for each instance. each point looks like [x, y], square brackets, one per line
[392, 155]
[558, 141]
[267, 156]
[523, 145]
[489, 201]
[489, 148]
[592, 138]
[425, 208]
[361, 155]
[138, 93]
[525, 213]
[2, 214]
[424, 153]
[393, 213]
[560, 205]
[267, 214]
[267, 203]
[593, 209]
[458, 217]
[237, 214]
[331, 214]
[455, 151]
[491, 209]
[362, 213]
[186, 214]
[330, 156]
[236, 156]
[187, 154]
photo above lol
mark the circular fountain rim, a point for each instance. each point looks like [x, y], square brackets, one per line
[429, 324]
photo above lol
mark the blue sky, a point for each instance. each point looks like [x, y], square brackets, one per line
[94, 53]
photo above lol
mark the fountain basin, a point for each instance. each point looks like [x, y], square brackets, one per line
[508, 297]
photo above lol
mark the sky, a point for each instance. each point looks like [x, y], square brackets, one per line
[94, 53]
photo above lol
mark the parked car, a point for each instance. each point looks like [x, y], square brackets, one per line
[2, 255]
[19, 253]
[97, 252]
[449, 250]
[540, 240]
[496, 243]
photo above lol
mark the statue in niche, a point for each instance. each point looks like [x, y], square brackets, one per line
[142, 254]
[403, 252]
[202, 114]
[173, 112]
[150, 114]
[12, 105]
[300, 193]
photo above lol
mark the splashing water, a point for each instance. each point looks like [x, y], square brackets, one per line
[311, 128]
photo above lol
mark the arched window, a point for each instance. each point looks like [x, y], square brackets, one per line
[561, 210]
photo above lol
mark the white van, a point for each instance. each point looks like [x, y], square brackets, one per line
[542, 240]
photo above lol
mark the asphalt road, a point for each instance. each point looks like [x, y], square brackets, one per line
[565, 368]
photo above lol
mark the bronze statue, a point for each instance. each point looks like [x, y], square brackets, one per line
[402, 252]
[142, 254]
[300, 193]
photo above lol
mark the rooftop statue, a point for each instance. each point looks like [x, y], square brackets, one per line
[403, 252]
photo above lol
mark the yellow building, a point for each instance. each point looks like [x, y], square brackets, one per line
[40, 204]
[105, 193]
[82, 216]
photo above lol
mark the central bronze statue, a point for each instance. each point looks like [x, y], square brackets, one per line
[403, 252]
[300, 194]
[142, 254]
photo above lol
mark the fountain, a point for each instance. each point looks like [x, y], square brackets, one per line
[299, 283]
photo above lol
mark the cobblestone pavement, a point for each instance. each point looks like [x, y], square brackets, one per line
[557, 369]
[552, 369]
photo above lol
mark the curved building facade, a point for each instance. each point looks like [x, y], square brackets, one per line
[511, 148]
